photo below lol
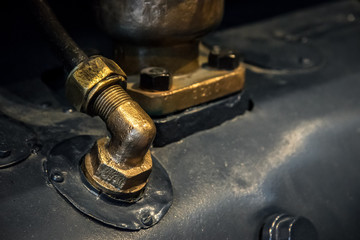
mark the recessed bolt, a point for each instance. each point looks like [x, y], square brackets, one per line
[155, 78]
[4, 153]
[223, 59]
[57, 177]
[286, 227]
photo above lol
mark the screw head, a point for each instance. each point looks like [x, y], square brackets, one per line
[223, 59]
[147, 219]
[286, 227]
[57, 177]
[155, 78]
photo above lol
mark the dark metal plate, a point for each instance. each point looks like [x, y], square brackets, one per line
[63, 170]
[16, 142]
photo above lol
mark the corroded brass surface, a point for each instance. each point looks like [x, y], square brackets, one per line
[177, 59]
[158, 22]
[158, 33]
[111, 177]
[203, 85]
[120, 165]
[89, 77]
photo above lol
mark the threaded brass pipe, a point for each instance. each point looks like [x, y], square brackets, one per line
[108, 100]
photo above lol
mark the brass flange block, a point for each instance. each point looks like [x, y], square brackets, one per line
[187, 90]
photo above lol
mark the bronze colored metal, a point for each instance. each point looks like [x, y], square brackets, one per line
[91, 76]
[177, 59]
[118, 166]
[203, 85]
[161, 33]
[166, 33]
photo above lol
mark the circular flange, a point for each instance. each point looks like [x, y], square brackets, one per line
[64, 172]
[16, 142]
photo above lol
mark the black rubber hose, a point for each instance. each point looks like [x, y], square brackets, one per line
[65, 47]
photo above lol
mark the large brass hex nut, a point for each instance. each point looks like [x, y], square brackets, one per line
[112, 177]
[90, 76]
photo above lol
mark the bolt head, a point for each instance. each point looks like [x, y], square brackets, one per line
[57, 177]
[155, 78]
[147, 219]
[223, 59]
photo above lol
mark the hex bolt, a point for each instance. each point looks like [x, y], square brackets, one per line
[57, 177]
[155, 78]
[223, 59]
[286, 227]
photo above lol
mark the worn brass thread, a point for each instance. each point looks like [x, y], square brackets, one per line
[108, 100]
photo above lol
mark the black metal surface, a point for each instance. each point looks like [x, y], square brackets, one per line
[16, 142]
[199, 118]
[63, 170]
[296, 152]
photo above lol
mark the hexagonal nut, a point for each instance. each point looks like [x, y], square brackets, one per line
[155, 79]
[89, 76]
[111, 177]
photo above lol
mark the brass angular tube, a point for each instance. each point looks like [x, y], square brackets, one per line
[121, 165]
[118, 166]
[132, 129]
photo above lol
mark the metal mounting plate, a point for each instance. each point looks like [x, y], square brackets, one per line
[63, 170]
[188, 90]
[16, 142]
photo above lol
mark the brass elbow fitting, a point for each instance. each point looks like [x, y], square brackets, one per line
[118, 166]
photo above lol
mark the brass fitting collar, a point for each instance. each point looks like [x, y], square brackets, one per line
[90, 76]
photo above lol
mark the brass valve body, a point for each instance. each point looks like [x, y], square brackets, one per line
[167, 34]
